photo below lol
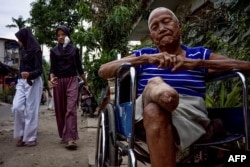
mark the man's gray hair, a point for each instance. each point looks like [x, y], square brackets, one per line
[161, 9]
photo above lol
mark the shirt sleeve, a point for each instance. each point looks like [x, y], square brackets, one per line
[206, 54]
[38, 64]
[52, 63]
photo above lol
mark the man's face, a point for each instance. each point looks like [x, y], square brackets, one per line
[164, 28]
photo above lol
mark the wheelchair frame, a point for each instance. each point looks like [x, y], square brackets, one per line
[112, 144]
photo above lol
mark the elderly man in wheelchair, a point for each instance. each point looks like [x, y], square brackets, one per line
[171, 88]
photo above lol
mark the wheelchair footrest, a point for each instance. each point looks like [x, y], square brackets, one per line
[227, 138]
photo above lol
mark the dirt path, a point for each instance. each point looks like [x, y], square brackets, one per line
[49, 152]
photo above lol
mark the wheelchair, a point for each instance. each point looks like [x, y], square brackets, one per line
[118, 144]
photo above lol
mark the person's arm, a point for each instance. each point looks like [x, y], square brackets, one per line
[224, 65]
[109, 69]
[85, 80]
[216, 63]
[52, 65]
[53, 78]
[38, 64]
[219, 63]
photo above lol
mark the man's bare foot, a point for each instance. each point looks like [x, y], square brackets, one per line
[157, 91]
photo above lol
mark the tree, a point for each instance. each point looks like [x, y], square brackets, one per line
[111, 23]
[223, 29]
[46, 15]
[19, 23]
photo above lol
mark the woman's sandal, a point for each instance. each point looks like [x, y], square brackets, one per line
[71, 145]
[20, 143]
[31, 143]
[63, 142]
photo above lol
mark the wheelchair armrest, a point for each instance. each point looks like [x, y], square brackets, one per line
[222, 75]
[125, 91]
[123, 71]
[125, 82]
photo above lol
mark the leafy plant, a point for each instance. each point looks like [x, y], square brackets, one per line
[225, 98]
[17, 23]
[223, 27]
[111, 23]
[4, 94]
[46, 15]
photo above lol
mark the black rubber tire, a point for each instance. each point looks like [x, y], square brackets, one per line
[112, 148]
[107, 155]
[101, 134]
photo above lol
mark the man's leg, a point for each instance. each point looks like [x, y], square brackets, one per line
[159, 136]
[157, 91]
[158, 99]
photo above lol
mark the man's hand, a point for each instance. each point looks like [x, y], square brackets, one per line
[163, 59]
[178, 62]
[182, 63]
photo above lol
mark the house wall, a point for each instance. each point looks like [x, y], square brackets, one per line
[10, 55]
[9, 52]
[2, 49]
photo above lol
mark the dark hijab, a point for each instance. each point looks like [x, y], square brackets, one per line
[69, 50]
[30, 44]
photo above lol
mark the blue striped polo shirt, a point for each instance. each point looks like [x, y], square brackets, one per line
[186, 82]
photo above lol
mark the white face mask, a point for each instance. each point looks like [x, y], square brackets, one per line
[66, 41]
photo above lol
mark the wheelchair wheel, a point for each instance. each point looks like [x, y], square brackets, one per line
[100, 140]
[112, 148]
[106, 150]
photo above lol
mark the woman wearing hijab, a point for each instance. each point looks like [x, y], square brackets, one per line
[65, 65]
[27, 98]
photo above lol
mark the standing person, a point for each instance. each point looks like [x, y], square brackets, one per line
[171, 87]
[28, 94]
[65, 63]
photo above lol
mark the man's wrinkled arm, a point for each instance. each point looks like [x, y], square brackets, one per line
[109, 69]
[223, 65]
[216, 63]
